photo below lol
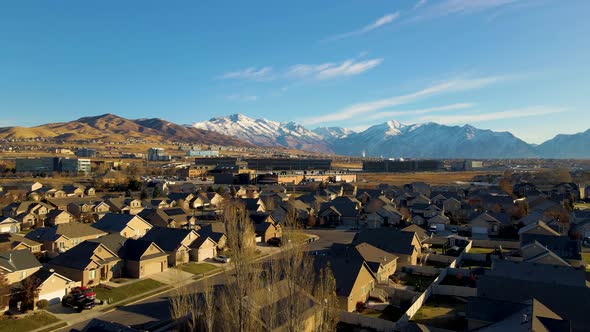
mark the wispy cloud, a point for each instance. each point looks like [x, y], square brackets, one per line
[384, 20]
[419, 4]
[250, 73]
[323, 71]
[503, 115]
[458, 7]
[373, 106]
[332, 70]
[452, 107]
[241, 98]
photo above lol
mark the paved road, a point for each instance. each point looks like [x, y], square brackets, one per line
[157, 308]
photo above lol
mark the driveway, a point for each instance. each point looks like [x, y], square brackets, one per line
[171, 276]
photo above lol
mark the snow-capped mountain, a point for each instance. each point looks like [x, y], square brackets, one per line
[432, 140]
[330, 134]
[567, 146]
[267, 133]
[394, 139]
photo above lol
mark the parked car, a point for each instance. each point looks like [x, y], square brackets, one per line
[222, 259]
[275, 241]
[432, 228]
[81, 298]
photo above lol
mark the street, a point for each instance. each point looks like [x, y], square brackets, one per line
[157, 308]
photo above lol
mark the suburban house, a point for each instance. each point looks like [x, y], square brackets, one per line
[52, 286]
[384, 216]
[405, 245]
[175, 242]
[254, 204]
[127, 225]
[16, 265]
[57, 217]
[535, 252]
[168, 217]
[382, 264]
[10, 241]
[203, 248]
[562, 246]
[354, 280]
[143, 258]
[9, 225]
[215, 231]
[484, 224]
[89, 262]
[124, 205]
[440, 221]
[62, 237]
[452, 205]
[88, 209]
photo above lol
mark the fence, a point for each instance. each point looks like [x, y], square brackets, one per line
[429, 291]
[422, 270]
[506, 244]
[378, 324]
[454, 290]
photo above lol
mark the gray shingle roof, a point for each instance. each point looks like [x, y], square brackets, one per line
[17, 260]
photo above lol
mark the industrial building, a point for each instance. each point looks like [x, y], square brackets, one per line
[402, 165]
[52, 164]
[287, 164]
[158, 154]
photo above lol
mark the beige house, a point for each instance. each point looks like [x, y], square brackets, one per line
[19, 242]
[382, 264]
[89, 262]
[143, 258]
[127, 225]
[9, 225]
[52, 286]
[63, 237]
[17, 265]
[174, 241]
[203, 248]
[57, 217]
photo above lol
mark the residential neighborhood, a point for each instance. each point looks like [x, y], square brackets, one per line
[393, 251]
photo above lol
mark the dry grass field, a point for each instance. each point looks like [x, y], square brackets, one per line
[433, 178]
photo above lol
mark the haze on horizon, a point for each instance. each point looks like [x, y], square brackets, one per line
[506, 65]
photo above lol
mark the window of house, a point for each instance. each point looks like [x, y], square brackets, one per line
[92, 274]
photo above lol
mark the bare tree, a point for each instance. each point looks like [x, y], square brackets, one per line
[325, 293]
[208, 305]
[184, 308]
[4, 291]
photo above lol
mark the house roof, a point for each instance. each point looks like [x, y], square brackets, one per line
[134, 249]
[387, 239]
[420, 232]
[562, 275]
[112, 222]
[374, 256]
[70, 230]
[43, 274]
[346, 265]
[80, 256]
[112, 241]
[15, 239]
[169, 239]
[541, 225]
[17, 260]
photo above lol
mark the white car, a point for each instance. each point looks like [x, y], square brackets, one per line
[222, 259]
[432, 228]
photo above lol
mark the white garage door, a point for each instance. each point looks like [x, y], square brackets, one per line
[479, 230]
[54, 297]
[206, 253]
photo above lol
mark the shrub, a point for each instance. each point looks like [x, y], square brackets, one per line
[42, 304]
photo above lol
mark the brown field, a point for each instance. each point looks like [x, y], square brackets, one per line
[433, 178]
[347, 165]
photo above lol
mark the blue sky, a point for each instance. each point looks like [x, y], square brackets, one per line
[511, 65]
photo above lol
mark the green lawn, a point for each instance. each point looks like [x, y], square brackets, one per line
[198, 268]
[29, 323]
[480, 250]
[127, 291]
[441, 312]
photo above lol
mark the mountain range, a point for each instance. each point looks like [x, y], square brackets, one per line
[390, 139]
[393, 139]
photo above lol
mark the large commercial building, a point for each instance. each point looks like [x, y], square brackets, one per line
[52, 164]
[287, 164]
[402, 165]
[202, 153]
[158, 154]
[86, 153]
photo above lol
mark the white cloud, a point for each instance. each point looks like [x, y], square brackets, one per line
[250, 73]
[384, 20]
[372, 106]
[503, 115]
[242, 98]
[419, 4]
[458, 7]
[392, 114]
[332, 70]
